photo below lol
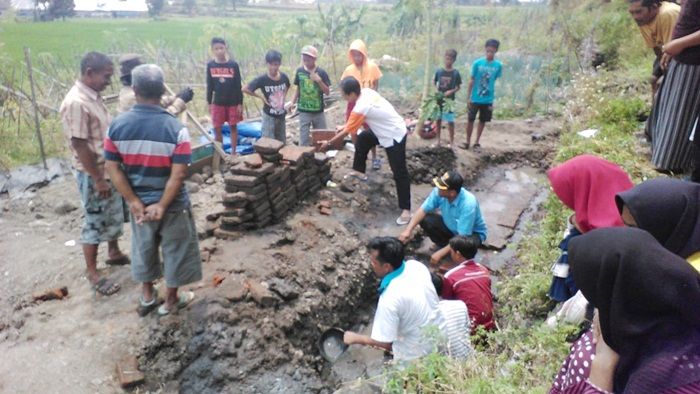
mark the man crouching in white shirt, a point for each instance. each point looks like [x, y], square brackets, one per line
[407, 306]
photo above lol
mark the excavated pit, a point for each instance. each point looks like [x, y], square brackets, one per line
[313, 273]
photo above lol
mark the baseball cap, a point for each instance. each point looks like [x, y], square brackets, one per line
[310, 50]
[451, 180]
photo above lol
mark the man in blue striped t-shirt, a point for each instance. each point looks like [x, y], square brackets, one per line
[147, 152]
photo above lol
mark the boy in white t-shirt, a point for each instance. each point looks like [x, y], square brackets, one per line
[387, 128]
[407, 309]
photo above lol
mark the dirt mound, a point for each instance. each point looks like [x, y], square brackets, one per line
[426, 162]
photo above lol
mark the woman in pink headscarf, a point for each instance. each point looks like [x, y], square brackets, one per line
[587, 185]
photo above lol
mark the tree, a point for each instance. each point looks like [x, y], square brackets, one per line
[189, 6]
[155, 7]
[237, 2]
[61, 9]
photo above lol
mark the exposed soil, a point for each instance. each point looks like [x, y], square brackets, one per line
[314, 267]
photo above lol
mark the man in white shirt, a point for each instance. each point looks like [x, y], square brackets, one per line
[387, 128]
[408, 318]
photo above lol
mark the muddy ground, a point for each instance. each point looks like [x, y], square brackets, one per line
[314, 265]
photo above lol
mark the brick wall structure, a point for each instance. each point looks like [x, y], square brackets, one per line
[263, 187]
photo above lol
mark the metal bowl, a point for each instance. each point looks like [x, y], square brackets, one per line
[331, 345]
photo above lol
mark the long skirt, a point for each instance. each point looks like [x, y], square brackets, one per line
[675, 110]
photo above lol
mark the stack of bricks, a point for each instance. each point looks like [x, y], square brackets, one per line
[264, 186]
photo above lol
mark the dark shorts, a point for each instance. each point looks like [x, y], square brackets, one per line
[485, 112]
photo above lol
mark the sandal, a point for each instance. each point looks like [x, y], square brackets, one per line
[123, 260]
[144, 307]
[185, 299]
[376, 164]
[106, 287]
[359, 177]
[464, 146]
[477, 148]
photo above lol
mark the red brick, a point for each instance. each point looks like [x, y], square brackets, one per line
[267, 146]
[260, 293]
[128, 372]
[295, 154]
[242, 181]
[253, 161]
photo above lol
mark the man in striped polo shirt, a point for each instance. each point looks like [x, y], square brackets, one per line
[469, 282]
[147, 152]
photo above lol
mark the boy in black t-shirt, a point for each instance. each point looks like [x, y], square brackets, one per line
[224, 94]
[312, 83]
[274, 86]
[448, 81]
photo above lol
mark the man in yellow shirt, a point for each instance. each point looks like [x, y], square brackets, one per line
[656, 20]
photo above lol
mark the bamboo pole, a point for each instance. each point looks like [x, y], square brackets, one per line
[36, 107]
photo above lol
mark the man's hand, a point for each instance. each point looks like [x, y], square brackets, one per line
[154, 212]
[665, 60]
[104, 190]
[137, 210]
[405, 236]
[351, 338]
[673, 47]
[436, 257]
[239, 110]
[324, 146]
[186, 94]
[315, 77]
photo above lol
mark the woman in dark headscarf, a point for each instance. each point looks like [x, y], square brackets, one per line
[648, 301]
[587, 185]
[669, 209]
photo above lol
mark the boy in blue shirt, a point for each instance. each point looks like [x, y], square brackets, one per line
[485, 71]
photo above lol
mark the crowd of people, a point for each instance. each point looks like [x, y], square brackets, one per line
[632, 253]
[673, 32]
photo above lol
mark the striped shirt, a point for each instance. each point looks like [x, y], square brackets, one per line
[471, 283]
[456, 329]
[147, 141]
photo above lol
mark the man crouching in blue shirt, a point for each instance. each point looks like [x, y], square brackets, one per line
[459, 215]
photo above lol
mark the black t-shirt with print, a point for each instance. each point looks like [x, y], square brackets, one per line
[274, 92]
[447, 80]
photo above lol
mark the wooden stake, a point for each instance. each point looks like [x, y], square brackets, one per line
[217, 146]
[36, 107]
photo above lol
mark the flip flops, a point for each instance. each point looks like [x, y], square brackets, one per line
[185, 299]
[144, 307]
[106, 287]
[464, 146]
[376, 164]
[123, 260]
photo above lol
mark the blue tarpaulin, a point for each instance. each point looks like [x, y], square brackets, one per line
[248, 133]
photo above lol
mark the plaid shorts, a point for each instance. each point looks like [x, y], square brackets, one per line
[104, 217]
